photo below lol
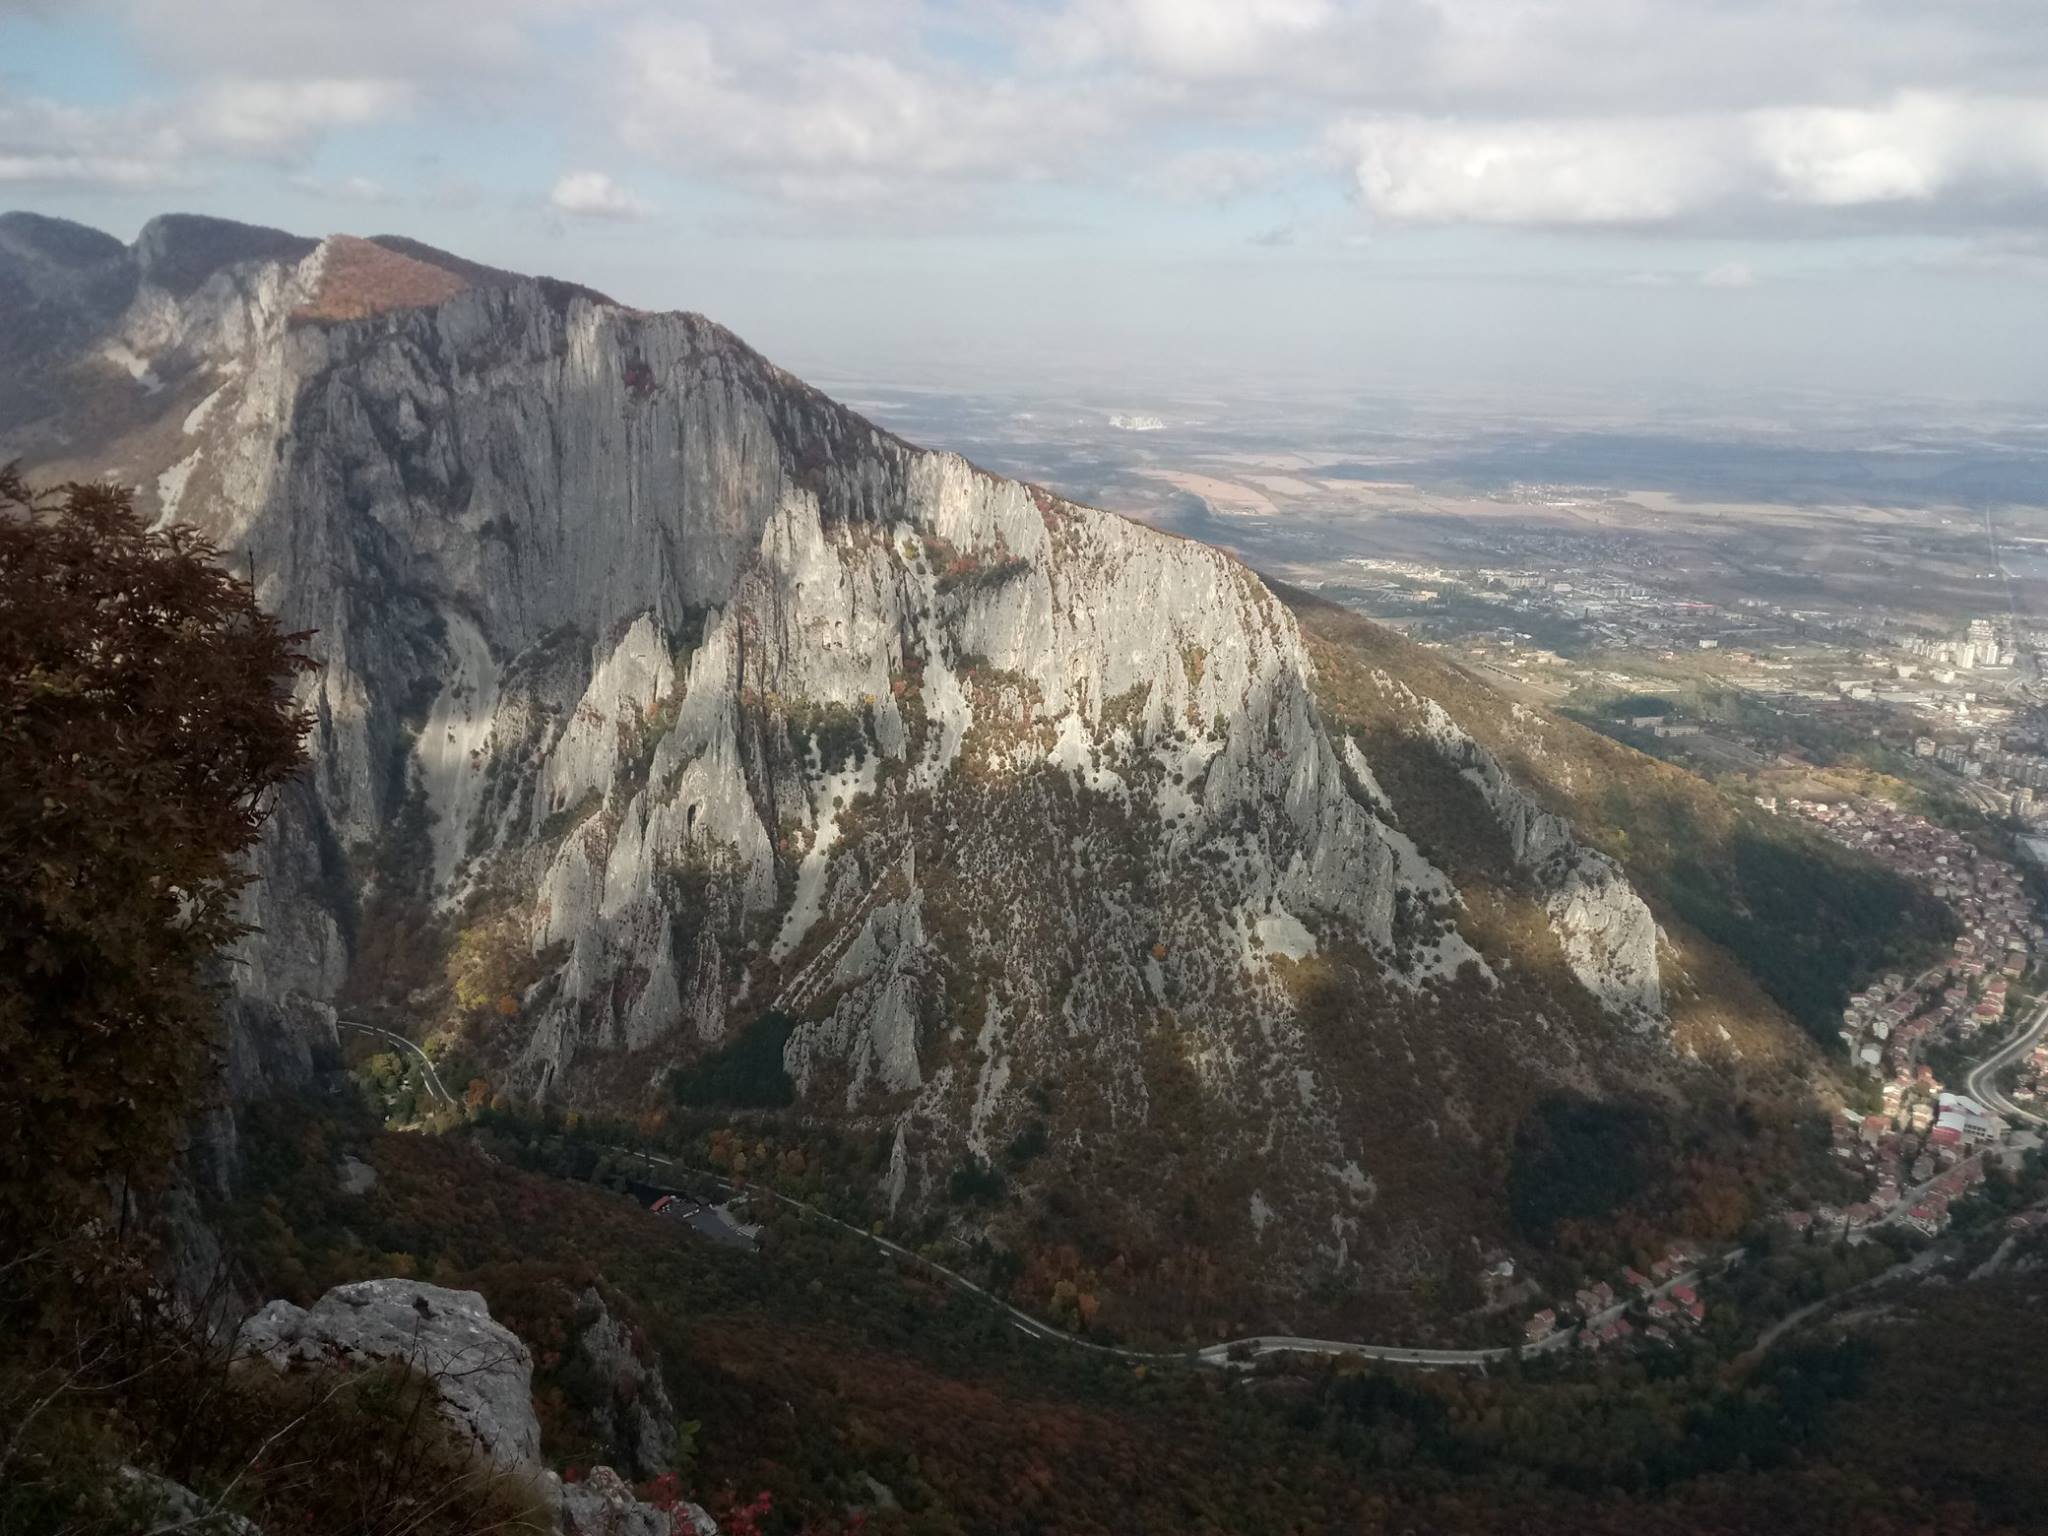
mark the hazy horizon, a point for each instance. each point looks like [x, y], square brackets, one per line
[1633, 204]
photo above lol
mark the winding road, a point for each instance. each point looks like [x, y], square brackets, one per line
[1231, 1353]
[426, 1063]
[1981, 1082]
[1234, 1353]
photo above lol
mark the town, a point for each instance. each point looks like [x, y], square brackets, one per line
[1923, 1142]
[1663, 1301]
[1964, 704]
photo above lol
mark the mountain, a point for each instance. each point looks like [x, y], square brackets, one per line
[682, 735]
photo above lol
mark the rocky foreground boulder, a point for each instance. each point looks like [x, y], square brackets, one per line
[482, 1373]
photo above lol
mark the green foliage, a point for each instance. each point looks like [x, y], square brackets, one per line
[401, 941]
[745, 1073]
[682, 1454]
[1576, 1159]
[1806, 920]
[974, 1182]
[1027, 1144]
[1632, 704]
[329, 1450]
[1810, 921]
[145, 728]
[837, 731]
[811, 1367]
[559, 823]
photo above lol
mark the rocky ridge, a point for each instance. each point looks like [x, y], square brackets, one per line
[730, 705]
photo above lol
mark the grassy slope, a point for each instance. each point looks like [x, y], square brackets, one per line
[1769, 924]
[1588, 1144]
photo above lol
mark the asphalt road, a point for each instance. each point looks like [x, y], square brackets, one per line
[1981, 1082]
[1231, 1352]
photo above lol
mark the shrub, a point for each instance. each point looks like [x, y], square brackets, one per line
[975, 1183]
[745, 1073]
[148, 728]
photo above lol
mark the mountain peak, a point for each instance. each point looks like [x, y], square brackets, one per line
[719, 725]
[58, 241]
[179, 251]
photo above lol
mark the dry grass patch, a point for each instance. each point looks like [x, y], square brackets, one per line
[361, 279]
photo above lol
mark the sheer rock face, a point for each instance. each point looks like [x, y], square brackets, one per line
[1609, 935]
[1015, 809]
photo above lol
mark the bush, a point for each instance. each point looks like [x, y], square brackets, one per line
[148, 727]
[1579, 1159]
[746, 1073]
[1027, 1144]
[975, 1183]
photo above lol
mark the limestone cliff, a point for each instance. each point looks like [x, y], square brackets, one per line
[726, 703]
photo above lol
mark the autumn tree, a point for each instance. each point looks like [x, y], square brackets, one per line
[146, 725]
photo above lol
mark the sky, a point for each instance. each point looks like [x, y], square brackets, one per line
[1584, 200]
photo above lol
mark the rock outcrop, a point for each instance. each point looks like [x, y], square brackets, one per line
[602, 1504]
[636, 1418]
[481, 1370]
[482, 1375]
[1607, 930]
[154, 1503]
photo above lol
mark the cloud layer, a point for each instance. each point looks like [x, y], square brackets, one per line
[594, 195]
[1917, 157]
[1699, 116]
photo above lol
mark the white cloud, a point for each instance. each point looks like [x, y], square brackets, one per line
[1948, 155]
[1218, 174]
[454, 48]
[1912, 149]
[594, 195]
[277, 118]
[182, 141]
[46, 143]
[839, 126]
[1732, 274]
[348, 189]
[2010, 255]
[57, 170]
[1715, 116]
[1188, 39]
[1415, 170]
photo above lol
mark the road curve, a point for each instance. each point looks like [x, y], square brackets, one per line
[1236, 1352]
[426, 1064]
[1981, 1082]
